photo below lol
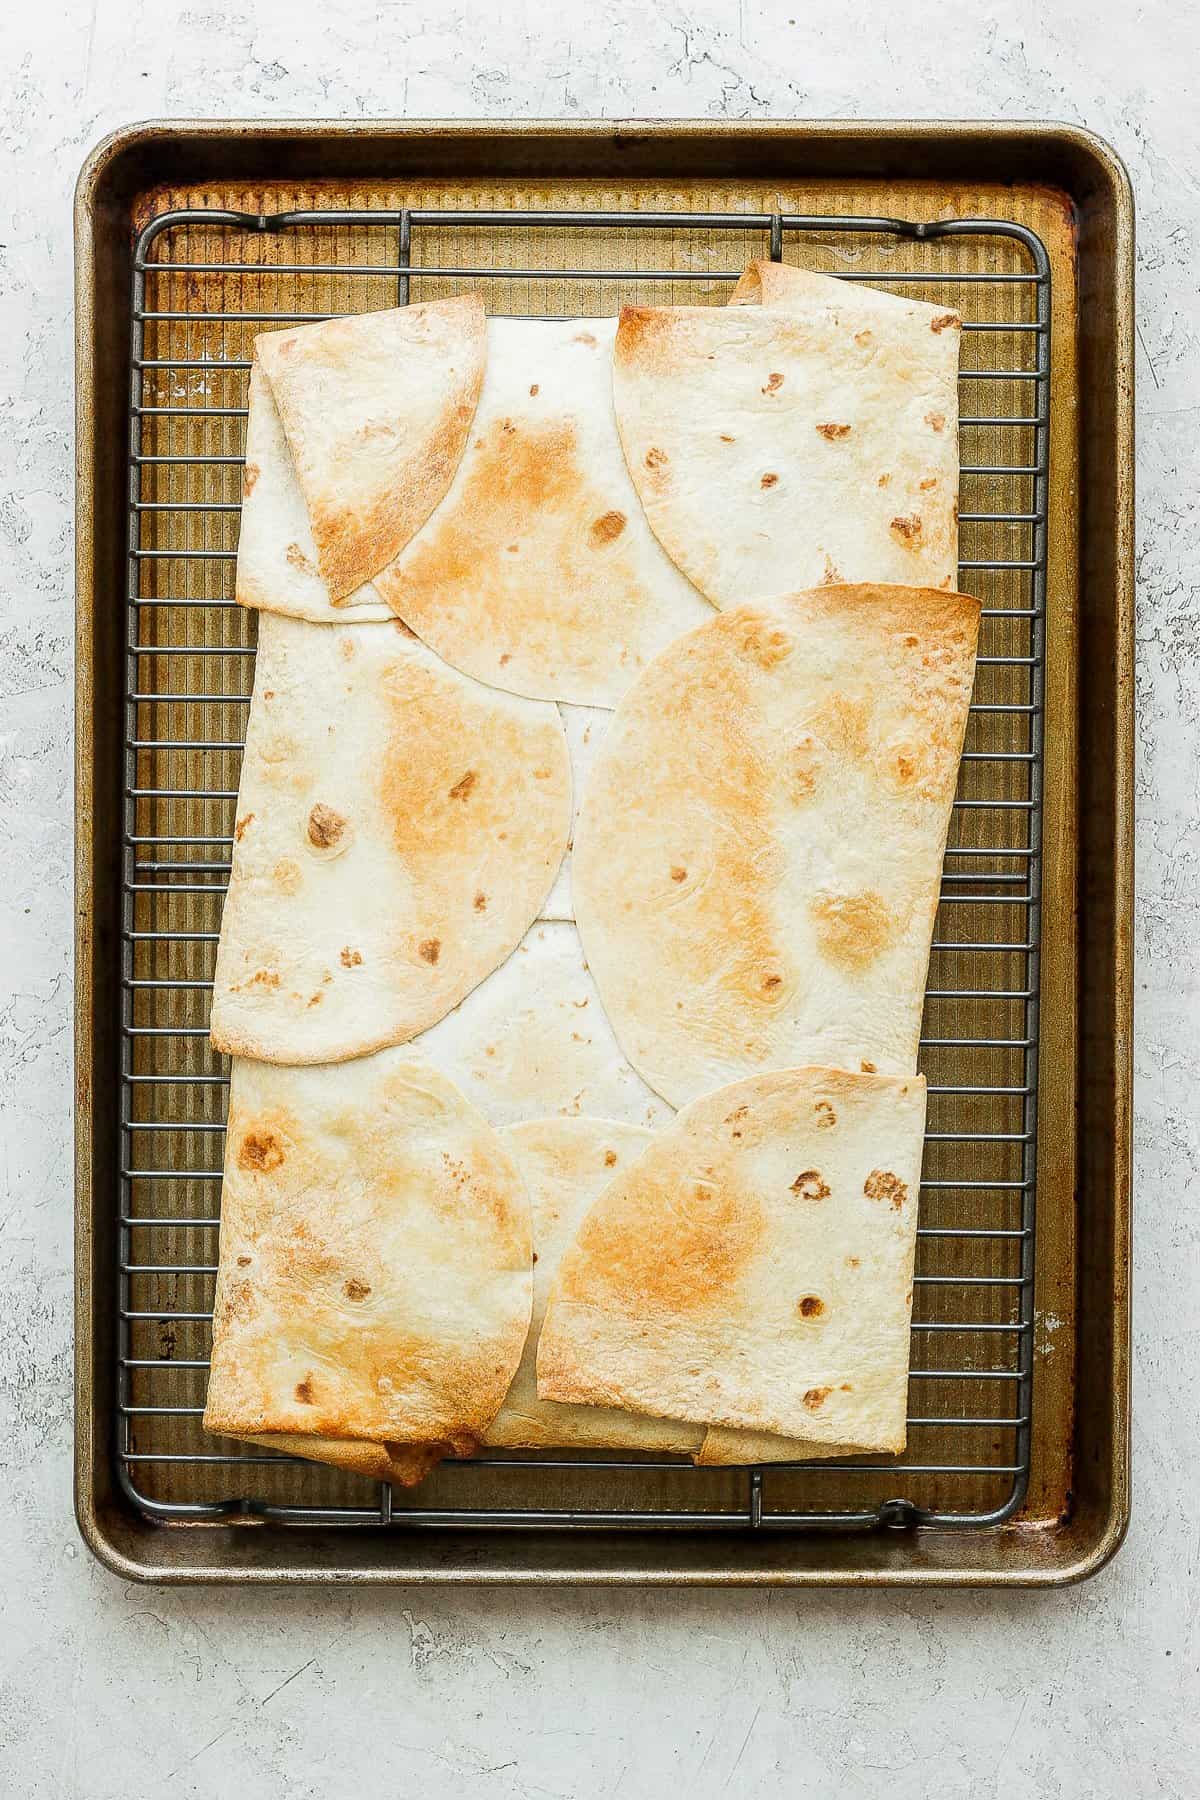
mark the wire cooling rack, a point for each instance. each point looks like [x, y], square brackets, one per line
[204, 283]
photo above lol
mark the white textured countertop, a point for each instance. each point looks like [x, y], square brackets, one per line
[112, 1690]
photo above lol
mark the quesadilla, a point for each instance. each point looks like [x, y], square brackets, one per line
[758, 858]
[753, 1268]
[398, 827]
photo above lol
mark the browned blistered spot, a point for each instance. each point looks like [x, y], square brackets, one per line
[678, 873]
[868, 1068]
[811, 1307]
[298, 560]
[268, 693]
[356, 1290]
[463, 785]
[815, 1398]
[883, 481]
[833, 431]
[249, 479]
[852, 929]
[610, 1157]
[260, 1152]
[738, 1113]
[942, 321]
[584, 337]
[771, 982]
[506, 658]
[430, 949]
[266, 978]
[239, 829]
[825, 1115]
[852, 1262]
[769, 481]
[906, 529]
[716, 1229]
[507, 427]
[533, 391]
[832, 574]
[808, 1185]
[863, 337]
[325, 826]
[350, 959]
[936, 421]
[655, 459]
[881, 1184]
[405, 630]
[243, 1262]
[930, 481]
[286, 875]
[608, 526]
[316, 999]
[481, 902]
[726, 439]
[774, 383]
[765, 645]
[304, 1392]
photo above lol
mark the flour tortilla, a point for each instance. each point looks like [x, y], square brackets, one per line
[567, 1164]
[813, 438]
[398, 828]
[538, 572]
[534, 1039]
[758, 858]
[375, 1277]
[277, 558]
[376, 411]
[753, 1269]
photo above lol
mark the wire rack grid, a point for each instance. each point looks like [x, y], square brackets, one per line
[204, 283]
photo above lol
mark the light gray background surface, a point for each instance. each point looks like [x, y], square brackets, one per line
[108, 1690]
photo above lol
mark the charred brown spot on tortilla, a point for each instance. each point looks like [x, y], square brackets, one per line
[678, 872]
[769, 480]
[608, 526]
[863, 337]
[815, 1398]
[505, 658]
[936, 421]
[533, 392]
[852, 929]
[430, 949]
[656, 459]
[239, 829]
[930, 481]
[763, 644]
[325, 827]
[350, 959]
[298, 560]
[726, 439]
[243, 1262]
[304, 1392]
[808, 1185]
[463, 785]
[811, 1307]
[831, 431]
[356, 1290]
[259, 1152]
[942, 321]
[481, 902]
[610, 1157]
[249, 479]
[584, 337]
[316, 999]
[852, 1262]
[881, 1184]
[265, 978]
[771, 982]
[906, 529]
[826, 1117]
[773, 384]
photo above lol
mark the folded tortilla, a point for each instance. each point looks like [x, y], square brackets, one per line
[758, 858]
[375, 1276]
[277, 555]
[538, 572]
[375, 410]
[753, 1269]
[812, 437]
[567, 1165]
[398, 828]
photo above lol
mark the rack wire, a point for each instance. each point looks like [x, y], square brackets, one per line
[205, 281]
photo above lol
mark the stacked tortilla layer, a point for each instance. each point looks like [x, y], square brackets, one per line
[457, 1207]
